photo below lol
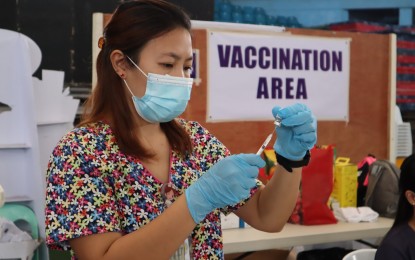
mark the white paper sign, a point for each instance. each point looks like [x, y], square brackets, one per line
[249, 74]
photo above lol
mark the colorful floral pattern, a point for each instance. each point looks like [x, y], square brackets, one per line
[93, 187]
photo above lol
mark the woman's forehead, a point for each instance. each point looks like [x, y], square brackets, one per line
[176, 43]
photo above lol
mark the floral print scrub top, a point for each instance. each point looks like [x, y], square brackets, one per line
[93, 187]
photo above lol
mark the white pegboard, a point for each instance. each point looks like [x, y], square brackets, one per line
[403, 139]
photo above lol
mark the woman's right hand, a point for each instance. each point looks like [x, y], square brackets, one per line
[226, 183]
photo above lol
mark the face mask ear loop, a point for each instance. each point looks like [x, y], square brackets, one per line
[128, 87]
[137, 66]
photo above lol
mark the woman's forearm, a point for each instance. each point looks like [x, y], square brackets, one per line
[269, 209]
[158, 239]
[278, 198]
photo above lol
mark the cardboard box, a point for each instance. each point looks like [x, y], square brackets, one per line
[231, 221]
[23, 249]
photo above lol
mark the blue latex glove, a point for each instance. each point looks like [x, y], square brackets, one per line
[297, 133]
[226, 183]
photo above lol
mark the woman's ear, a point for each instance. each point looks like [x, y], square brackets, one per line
[119, 63]
[410, 196]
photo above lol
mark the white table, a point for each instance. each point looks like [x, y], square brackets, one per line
[250, 239]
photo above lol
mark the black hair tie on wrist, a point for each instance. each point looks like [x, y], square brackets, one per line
[289, 164]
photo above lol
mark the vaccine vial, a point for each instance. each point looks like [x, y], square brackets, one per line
[277, 121]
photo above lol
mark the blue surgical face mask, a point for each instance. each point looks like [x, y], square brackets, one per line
[166, 97]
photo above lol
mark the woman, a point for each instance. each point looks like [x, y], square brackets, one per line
[399, 242]
[106, 178]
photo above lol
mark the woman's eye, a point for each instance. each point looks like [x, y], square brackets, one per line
[188, 69]
[167, 65]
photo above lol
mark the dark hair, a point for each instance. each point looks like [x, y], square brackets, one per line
[406, 182]
[132, 25]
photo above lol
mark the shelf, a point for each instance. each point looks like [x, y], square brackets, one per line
[41, 123]
[18, 199]
[15, 146]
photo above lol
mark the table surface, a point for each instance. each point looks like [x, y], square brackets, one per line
[250, 239]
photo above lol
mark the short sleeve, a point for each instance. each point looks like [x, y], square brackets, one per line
[231, 208]
[79, 194]
[387, 252]
[397, 243]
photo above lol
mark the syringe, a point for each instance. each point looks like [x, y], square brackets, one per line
[277, 123]
[264, 145]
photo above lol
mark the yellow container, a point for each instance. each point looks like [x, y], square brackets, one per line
[345, 182]
[399, 161]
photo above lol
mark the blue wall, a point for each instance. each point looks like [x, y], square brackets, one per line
[312, 13]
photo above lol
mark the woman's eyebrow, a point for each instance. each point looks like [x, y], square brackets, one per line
[176, 56]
